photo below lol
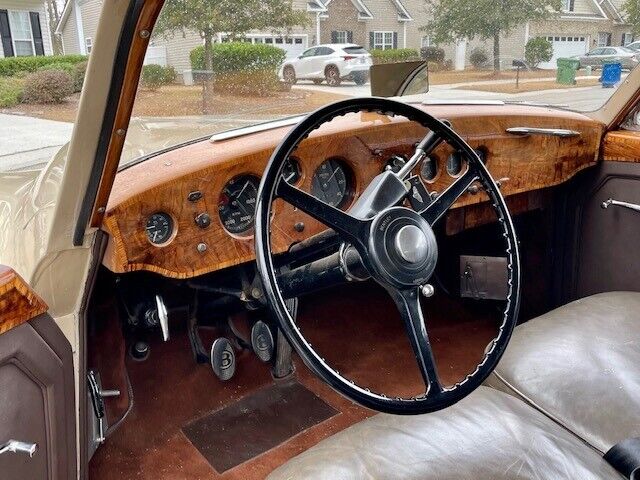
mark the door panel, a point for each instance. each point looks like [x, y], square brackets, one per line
[604, 253]
[37, 400]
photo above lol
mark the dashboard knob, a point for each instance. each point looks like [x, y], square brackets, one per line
[203, 220]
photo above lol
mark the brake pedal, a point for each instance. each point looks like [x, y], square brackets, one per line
[262, 341]
[223, 359]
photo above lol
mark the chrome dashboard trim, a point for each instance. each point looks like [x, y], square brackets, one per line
[260, 127]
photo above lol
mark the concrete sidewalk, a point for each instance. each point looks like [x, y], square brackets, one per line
[28, 142]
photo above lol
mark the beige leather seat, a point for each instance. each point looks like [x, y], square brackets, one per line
[489, 435]
[580, 364]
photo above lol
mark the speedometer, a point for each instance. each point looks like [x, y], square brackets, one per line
[237, 203]
[331, 183]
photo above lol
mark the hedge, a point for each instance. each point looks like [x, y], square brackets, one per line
[233, 57]
[154, 76]
[242, 68]
[13, 65]
[393, 55]
[47, 86]
[10, 91]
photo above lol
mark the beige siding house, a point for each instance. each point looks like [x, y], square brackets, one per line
[582, 25]
[24, 28]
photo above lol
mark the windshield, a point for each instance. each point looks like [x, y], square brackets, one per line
[216, 66]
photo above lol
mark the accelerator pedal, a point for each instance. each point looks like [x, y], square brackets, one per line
[262, 341]
[223, 359]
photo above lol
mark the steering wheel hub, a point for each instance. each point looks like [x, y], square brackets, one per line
[402, 247]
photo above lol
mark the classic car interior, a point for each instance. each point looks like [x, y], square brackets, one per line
[381, 289]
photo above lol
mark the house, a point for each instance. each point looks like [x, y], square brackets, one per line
[582, 25]
[24, 28]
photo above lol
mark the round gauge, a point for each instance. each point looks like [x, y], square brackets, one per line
[237, 203]
[159, 228]
[291, 172]
[330, 183]
[454, 164]
[429, 168]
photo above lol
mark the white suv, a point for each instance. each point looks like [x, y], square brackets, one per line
[332, 62]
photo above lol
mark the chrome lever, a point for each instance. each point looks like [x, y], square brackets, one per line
[552, 132]
[616, 203]
[14, 446]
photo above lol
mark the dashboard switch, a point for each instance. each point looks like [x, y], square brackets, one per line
[194, 196]
[203, 220]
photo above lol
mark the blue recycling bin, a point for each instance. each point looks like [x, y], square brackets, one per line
[611, 74]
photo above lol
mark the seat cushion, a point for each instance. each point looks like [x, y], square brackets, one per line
[580, 364]
[488, 435]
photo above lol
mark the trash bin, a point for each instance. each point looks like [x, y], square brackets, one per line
[567, 68]
[611, 73]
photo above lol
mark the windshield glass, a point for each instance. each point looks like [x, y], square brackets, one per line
[216, 66]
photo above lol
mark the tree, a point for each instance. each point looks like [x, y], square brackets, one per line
[453, 20]
[632, 10]
[538, 50]
[232, 17]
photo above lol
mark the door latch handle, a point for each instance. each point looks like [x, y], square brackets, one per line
[616, 203]
[14, 446]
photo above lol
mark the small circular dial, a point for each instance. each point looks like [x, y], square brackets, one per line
[291, 171]
[330, 183]
[159, 228]
[429, 168]
[237, 203]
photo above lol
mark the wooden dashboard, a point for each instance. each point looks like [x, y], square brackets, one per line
[362, 142]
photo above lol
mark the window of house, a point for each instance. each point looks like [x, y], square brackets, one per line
[627, 38]
[382, 40]
[21, 34]
[88, 43]
[425, 41]
[341, 36]
[604, 39]
[568, 5]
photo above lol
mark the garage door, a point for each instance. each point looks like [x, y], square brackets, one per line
[564, 47]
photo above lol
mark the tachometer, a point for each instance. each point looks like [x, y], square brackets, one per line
[159, 228]
[237, 203]
[331, 183]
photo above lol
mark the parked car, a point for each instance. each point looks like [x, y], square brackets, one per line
[635, 46]
[333, 62]
[596, 57]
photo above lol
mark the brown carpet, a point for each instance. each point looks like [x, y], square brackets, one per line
[358, 331]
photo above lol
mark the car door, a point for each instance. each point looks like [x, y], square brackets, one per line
[303, 65]
[37, 399]
[320, 61]
[592, 58]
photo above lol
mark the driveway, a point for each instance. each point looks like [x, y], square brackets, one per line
[28, 142]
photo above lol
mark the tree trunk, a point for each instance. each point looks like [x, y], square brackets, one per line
[496, 52]
[207, 76]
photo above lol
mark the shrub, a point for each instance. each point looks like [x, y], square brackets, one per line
[78, 74]
[538, 50]
[10, 91]
[242, 68]
[13, 65]
[48, 86]
[393, 55]
[478, 58]
[62, 66]
[432, 54]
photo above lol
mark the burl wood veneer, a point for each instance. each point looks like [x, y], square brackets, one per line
[363, 141]
[622, 146]
[18, 303]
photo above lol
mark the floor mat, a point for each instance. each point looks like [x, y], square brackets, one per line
[256, 423]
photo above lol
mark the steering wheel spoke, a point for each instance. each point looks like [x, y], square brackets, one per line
[352, 229]
[436, 209]
[408, 303]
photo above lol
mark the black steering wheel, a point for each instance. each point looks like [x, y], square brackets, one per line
[392, 244]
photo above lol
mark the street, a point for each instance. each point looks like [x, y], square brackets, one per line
[28, 142]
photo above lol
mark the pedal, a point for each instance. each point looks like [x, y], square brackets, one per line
[262, 341]
[223, 359]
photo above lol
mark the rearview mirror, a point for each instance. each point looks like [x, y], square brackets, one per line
[395, 79]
